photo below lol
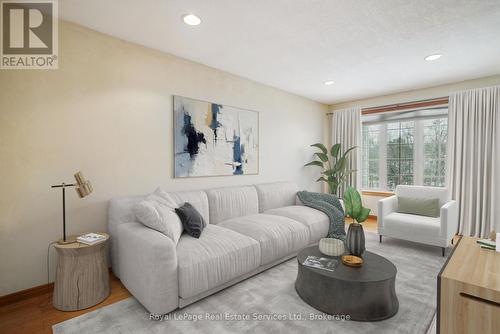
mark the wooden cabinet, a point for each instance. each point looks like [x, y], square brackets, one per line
[469, 291]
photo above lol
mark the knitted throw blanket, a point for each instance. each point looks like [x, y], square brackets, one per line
[330, 205]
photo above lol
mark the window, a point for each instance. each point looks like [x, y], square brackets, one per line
[435, 141]
[404, 148]
[370, 156]
[400, 157]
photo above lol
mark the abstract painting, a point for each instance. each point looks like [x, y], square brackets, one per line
[212, 139]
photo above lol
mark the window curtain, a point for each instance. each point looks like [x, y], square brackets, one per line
[473, 158]
[346, 130]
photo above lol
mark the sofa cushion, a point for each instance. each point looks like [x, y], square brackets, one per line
[276, 195]
[198, 199]
[278, 236]
[157, 212]
[218, 256]
[232, 202]
[316, 221]
[412, 224]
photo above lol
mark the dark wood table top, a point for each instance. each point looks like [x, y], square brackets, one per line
[374, 269]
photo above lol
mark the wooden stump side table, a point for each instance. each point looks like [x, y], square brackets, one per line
[82, 276]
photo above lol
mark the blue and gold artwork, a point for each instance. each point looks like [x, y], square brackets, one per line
[212, 139]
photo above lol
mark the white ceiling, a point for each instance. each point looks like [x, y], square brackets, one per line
[368, 47]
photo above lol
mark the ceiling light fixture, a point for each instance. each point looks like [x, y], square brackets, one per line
[432, 57]
[191, 19]
[329, 82]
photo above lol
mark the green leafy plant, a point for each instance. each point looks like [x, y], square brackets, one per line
[354, 207]
[334, 166]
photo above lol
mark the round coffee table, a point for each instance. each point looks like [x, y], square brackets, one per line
[366, 293]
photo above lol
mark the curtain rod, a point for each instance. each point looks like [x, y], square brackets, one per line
[406, 105]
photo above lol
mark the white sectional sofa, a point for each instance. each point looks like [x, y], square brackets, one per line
[250, 229]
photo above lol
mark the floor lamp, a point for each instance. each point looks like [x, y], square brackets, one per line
[83, 188]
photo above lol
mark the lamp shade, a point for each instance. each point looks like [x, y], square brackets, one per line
[83, 186]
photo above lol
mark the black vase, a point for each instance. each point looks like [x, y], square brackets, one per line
[355, 239]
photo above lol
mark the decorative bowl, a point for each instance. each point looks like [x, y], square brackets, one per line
[352, 261]
[331, 247]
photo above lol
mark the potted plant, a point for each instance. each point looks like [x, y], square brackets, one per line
[354, 209]
[334, 165]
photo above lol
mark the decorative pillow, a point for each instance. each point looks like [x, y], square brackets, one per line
[157, 212]
[419, 206]
[191, 219]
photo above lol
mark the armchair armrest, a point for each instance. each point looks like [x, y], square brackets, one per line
[449, 219]
[148, 267]
[386, 206]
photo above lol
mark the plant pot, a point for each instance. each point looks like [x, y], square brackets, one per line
[356, 239]
[331, 246]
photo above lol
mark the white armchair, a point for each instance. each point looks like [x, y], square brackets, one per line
[438, 231]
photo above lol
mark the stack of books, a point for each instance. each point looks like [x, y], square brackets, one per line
[487, 243]
[90, 238]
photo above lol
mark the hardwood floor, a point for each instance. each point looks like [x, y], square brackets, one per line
[37, 315]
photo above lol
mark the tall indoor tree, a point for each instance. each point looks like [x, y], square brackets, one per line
[334, 165]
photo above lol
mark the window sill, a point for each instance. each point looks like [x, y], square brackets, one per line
[377, 193]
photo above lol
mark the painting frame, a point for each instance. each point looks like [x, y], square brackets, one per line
[176, 144]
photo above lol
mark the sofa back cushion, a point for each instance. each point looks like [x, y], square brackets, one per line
[232, 202]
[276, 195]
[424, 192]
[198, 199]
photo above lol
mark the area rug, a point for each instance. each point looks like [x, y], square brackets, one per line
[268, 303]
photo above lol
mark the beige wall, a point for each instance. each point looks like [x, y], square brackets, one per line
[415, 95]
[107, 111]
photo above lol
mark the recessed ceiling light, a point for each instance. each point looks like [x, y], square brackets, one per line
[191, 19]
[329, 82]
[433, 57]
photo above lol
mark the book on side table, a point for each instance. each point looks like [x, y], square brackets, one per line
[90, 238]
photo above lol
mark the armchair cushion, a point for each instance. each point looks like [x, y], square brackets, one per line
[424, 192]
[419, 206]
[413, 225]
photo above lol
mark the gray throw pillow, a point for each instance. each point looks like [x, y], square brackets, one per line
[419, 206]
[191, 219]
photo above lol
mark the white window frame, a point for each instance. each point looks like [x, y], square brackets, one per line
[418, 168]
